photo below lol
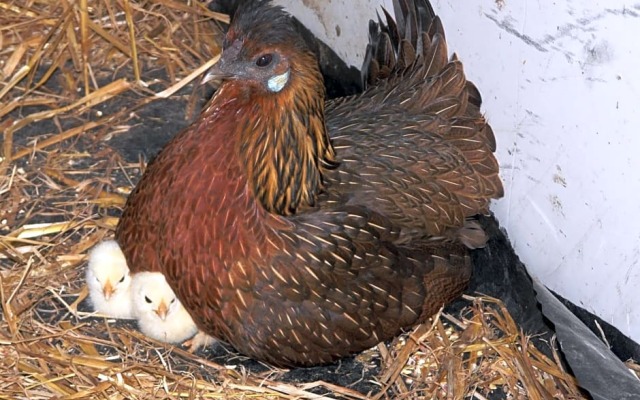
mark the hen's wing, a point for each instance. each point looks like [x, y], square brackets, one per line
[414, 145]
[335, 284]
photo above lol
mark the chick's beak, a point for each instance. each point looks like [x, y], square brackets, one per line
[107, 290]
[162, 310]
[227, 66]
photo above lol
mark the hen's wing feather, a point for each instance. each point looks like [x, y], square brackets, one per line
[351, 288]
[414, 145]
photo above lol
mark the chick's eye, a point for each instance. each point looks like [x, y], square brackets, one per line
[173, 300]
[121, 279]
[264, 60]
[147, 299]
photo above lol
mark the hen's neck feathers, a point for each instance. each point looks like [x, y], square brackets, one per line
[249, 158]
[282, 139]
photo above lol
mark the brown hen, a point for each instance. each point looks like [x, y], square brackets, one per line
[301, 230]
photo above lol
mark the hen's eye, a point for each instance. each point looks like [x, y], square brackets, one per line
[147, 299]
[264, 60]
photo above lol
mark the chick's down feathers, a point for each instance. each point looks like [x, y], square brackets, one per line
[159, 313]
[108, 280]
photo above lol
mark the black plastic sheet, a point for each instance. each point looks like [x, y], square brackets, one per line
[595, 366]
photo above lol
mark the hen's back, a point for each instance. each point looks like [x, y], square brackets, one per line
[414, 145]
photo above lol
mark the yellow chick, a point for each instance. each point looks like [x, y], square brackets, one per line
[109, 281]
[160, 314]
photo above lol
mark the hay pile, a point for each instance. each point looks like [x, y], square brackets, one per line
[73, 75]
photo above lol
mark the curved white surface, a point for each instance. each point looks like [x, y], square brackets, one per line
[561, 88]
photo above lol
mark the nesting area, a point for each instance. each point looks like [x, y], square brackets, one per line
[90, 90]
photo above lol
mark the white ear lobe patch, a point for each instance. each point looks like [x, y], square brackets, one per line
[276, 83]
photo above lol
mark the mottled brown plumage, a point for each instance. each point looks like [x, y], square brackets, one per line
[299, 230]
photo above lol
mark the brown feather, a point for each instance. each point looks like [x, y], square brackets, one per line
[299, 230]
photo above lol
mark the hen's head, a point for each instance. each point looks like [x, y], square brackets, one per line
[273, 79]
[263, 49]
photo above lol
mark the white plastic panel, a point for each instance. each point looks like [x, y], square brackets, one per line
[342, 24]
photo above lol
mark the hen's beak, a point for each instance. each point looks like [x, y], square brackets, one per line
[227, 66]
[162, 310]
[215, 73]
[107, 290]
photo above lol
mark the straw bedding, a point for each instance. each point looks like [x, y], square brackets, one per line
[79, 76]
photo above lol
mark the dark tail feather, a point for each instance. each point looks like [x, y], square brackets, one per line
[407, 65]
[395, 45]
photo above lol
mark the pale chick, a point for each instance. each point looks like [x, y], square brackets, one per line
[160, 314]
[109, 281]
